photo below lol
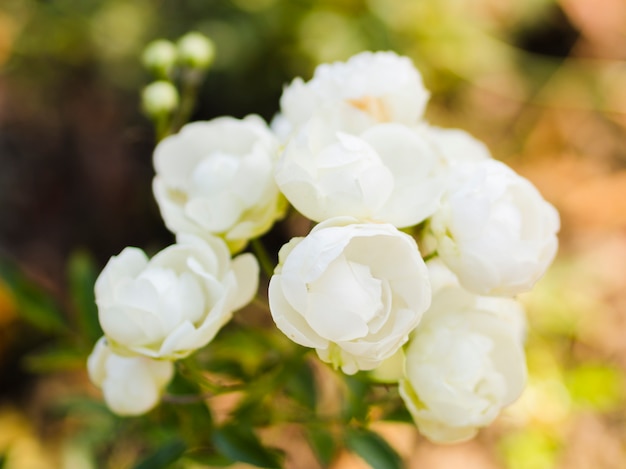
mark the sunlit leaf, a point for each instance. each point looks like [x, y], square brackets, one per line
[529, 449]
[373, 449]
[596, 386]
[239, 443]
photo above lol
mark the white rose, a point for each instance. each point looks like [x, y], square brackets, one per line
[218, 177]
[387, 173]
[455, 145]
[131, 385]
[176, 302]
[372, 86]
[455, 297]
[463, 364]
[352, 291]
[494, 230]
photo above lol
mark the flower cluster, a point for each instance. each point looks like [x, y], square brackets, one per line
[351, 151]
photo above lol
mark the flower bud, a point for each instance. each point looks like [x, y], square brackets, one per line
[159, 57]
[158, 98]
[195, 50]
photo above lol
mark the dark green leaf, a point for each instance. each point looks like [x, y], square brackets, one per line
[323, 444]
[82, 277]
[399, 414]
[208, 457]
[239, 443]
[356, 404]
[373, 449]
[301, 385]
[164, 456]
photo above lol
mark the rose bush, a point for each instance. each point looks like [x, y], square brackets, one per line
[350, 290]
[494, 230]
[176, 302]
[130, 385]
[217, 177]
[463, 364]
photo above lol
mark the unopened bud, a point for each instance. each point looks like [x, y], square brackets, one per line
[195, 50]
[159, 56]
[158, 98]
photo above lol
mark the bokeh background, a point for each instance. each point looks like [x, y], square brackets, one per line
[542, 82]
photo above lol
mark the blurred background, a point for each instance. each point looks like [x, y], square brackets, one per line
[542, 82]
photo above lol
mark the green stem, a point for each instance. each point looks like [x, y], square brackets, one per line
[264, 259]
[191, 81]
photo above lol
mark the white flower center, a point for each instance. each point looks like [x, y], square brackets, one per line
[214, 175]
[162, 300]
[344, 300]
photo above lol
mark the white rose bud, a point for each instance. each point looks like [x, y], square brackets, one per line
[387, 173]
[130, 385]
[373, 86]
[176, 302]
[463, 364]
[217, 177]
[159, 98]
[352, 291]
[196, 50]
[494, 230]
[159, 56]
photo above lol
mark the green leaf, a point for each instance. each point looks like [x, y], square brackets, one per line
[399, 414]
[61, 358]
[164, 456]
[301, 385]
[373, 449]
[208, 457]
[323, 444]
[355, 404]
[34, 304]
[239, 443]
[82, 277]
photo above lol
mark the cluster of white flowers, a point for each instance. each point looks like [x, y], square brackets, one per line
[350, 149]
[358, 290]
[154, 311]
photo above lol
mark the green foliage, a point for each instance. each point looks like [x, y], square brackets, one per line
[240, 443]
[323, 443]
[55, 358]
[164, 456]
[301, 386]
[35, 305]
[373, 449]
[356, 405]
[82, 275]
